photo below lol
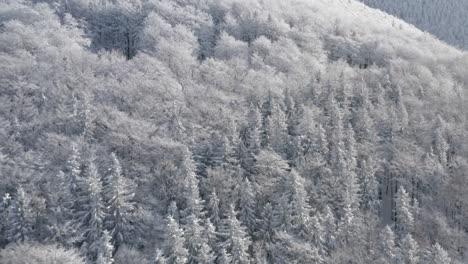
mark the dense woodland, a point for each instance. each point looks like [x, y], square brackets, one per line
[445, 19]
[228, 131]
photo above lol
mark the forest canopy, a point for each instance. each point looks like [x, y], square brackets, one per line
[229, 131]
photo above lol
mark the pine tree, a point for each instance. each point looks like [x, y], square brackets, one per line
[267, 224]
[60, 205]
[440, 145]
[348, 227]
[403, 213]
[92, 212]
[387, 251]
[174, 249]
[283, 212]
[195, 242]
[74, 170]
[213, 210]
[254, 121]
[173, 211]
[317, 234]
[238, 241]
[278, 134]
[159, 258]
[210, 235]
[4, 215]
[328, 224]
[368, 185]
[300, 206]
[206, 255]
[105, 249]
[247, 206]
[118, 192]
[438, 255]
[409, 250]
[19, 219]
[192, 197]
[224, 257]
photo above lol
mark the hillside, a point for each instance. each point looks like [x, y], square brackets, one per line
[445, 19]
[229, 131]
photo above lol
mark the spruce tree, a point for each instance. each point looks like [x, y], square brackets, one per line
[247, 206]
[409, 250]
[438, 255]
[159, 257]
[118, 193]
[238, 241]
[403, 213]
[328, 224]
[19, 219]
[387, 250]
[105, 250]
[91, 212]
[194, 203]
[213, 210]
[224, 257]
[174, 249]
[300, 207]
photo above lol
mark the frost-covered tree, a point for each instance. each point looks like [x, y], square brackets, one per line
[104, 255]
[247, 206]
[409, 250]
[237, 240]
[159, 257]
[118, 192]
[20, 218]
[91, 212]
[194, 203]
[388, 252]
[328, 224]
[174, 249]
[438, 255]
[300, 208]
[403, 213]
[213, 210]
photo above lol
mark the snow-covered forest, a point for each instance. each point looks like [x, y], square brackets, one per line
[228, 131]
[446, 19]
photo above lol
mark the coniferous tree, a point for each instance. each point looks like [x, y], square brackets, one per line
[118, 193]
[387, 250]
[237, 241]
[224, 257]
[329, 229]
[19, 219]
[104, 255]
[368, 185]
[409, 250]
[254, 121]
[213, 211]
[300, 207]
[284, 213]
[440, 145]
[4, 215]
[60, 206]
[91, 212]
[403, 213]
[192, 197]
[247, 206]
[278, 135]
[173, 211]
[159, 257]
[438, 255]
[174, 249]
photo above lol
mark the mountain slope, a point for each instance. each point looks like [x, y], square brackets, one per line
[194, 130]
